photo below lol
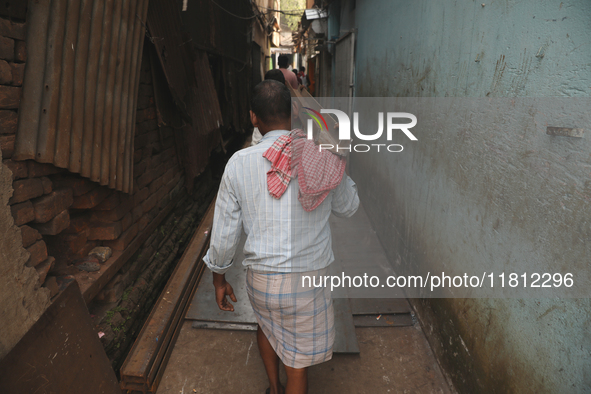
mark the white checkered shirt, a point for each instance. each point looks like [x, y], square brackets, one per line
[281, 235]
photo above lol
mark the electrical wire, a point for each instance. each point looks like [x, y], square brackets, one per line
[269, 11]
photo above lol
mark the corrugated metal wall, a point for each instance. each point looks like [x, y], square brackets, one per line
[186, 69]
[191, 84]
[227, 40]
[164, 25]
[80, 88]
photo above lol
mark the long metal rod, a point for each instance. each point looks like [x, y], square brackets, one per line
[149, 352]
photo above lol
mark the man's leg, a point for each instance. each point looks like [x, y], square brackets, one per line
[297, 380]
[271, 362]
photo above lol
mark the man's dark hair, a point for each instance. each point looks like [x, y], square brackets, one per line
[283, 61]
[271, 102]
[275, 75]
[303, 69]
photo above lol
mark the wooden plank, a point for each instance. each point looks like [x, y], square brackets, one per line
[61, 353]
[151, 349]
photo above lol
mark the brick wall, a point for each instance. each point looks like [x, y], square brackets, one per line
[21, 298]
[33, 190]
[62, 215]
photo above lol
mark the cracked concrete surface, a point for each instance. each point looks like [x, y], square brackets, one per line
[392, 360]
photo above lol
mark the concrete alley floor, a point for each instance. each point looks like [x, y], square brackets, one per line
[392, 360]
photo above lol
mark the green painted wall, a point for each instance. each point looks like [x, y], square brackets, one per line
[448, 202]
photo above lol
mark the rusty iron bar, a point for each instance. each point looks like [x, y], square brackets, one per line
[156, 373]
[177, 331]
[329, 136]
[141, 370]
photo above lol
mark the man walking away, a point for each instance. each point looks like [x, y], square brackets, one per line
[303, 76]
[288, 235]
[276, 75]
[283, 62]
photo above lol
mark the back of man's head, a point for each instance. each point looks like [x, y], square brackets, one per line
[275, 75]
[303, 69]
[271, 102]
[283, 61]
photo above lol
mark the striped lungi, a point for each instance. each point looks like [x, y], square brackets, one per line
[298, 322]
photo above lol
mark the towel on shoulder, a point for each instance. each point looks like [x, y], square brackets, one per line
[318, 172]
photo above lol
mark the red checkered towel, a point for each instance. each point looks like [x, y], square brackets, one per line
[318, 172]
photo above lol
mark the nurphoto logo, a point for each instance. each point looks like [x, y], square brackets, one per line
[344, 126]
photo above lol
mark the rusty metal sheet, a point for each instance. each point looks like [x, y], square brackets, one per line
[95, 35]
[99, 110]
[64, 118]
[345, 340]
[214, 30]
[194, 150]
[191, 85]
[49, 102]
[14, 9]
[164, 24]
[206, 314]
[61, 353]
[209, 115]
[109, 94]
[234, 92]
[203, 307]
[225, 38]
[80, 87]
[167, 112]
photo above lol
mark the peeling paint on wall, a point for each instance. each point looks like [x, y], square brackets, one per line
[495, 196]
